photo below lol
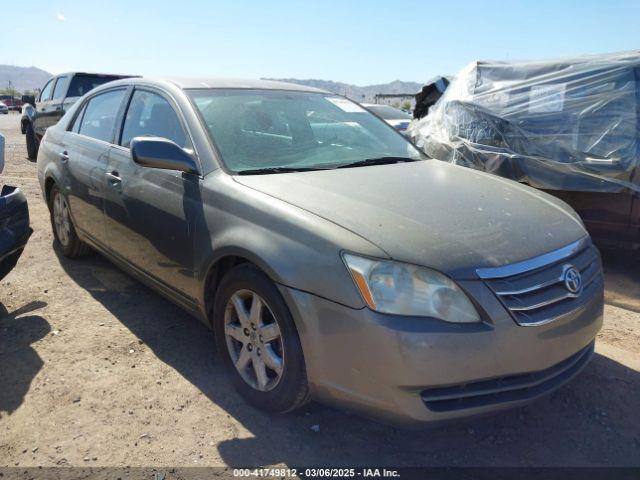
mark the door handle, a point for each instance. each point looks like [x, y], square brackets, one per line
[114, 177]
[64, 156]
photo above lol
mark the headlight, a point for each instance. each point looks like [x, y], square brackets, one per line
[403, 289]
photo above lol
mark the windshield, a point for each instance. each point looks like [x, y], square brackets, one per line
[276, 129]
[389, 113]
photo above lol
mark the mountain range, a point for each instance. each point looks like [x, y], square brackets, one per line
[22, 78]
[359, 93]
[31, 78]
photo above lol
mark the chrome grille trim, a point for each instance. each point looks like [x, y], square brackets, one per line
[537, 293]
[533, 263]
[532, 288]
[567, 294]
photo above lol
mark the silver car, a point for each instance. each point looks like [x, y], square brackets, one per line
[331, 258]
[398, 119]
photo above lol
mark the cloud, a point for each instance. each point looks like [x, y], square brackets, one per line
[60, 17]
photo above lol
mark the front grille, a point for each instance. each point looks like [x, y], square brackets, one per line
[539, 295]
[506, 389]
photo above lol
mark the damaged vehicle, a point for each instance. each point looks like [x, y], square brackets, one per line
[330, 257]
[568, 127]
[429, 95]
[14, 223]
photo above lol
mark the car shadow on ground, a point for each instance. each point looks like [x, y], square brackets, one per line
[592, 421]
[19, 362]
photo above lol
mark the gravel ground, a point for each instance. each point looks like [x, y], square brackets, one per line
[98, 370]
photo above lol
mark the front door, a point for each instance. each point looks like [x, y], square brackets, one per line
[40, 120]
[150, 214]
[56, 108]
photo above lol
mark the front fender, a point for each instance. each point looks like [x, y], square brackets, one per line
[294, 247]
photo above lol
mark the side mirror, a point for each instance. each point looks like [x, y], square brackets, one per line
[157, 152]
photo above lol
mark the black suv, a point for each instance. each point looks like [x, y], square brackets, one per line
[56, 97]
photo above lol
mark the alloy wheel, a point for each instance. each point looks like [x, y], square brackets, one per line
[61, 219]
[254, 340]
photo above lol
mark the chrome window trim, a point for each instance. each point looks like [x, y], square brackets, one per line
[487, 273]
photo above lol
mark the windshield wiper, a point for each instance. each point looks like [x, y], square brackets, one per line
[377, 161]
[269, 170]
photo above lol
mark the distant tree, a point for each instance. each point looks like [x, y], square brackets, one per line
[406, 105]
[9, 91]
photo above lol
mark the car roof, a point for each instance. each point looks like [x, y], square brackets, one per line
[97, 74]
[207, 82]
[196, 83]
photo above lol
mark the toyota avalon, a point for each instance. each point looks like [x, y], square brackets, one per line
[332, 260]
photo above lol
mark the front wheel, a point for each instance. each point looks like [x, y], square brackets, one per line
[258, 341]
[63, 230]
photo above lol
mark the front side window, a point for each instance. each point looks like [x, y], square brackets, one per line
[46, 91]
[267, 129]
[99, 118]
[61, 88]
[151, 115]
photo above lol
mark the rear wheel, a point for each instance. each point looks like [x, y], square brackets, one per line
[63, 229]
[32, 142]
[258, 341]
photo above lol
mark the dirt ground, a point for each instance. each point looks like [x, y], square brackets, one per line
[98, 370]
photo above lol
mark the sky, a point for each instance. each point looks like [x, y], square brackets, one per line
[360, 42]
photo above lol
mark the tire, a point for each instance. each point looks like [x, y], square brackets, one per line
[285, 391]
[32, 142]
[65, 235]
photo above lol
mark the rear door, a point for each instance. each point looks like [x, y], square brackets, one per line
[605, 215]
[86, 148]
[151, 213]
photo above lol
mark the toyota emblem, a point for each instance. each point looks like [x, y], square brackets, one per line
[572, 279]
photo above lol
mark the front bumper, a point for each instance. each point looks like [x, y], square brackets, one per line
[412, 370]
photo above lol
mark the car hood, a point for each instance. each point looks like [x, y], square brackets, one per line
[432, 213]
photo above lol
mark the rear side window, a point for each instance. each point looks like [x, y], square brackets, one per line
[150, 114]
[46, 91]
[99, 118]
[61, 88]
[82, 83]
